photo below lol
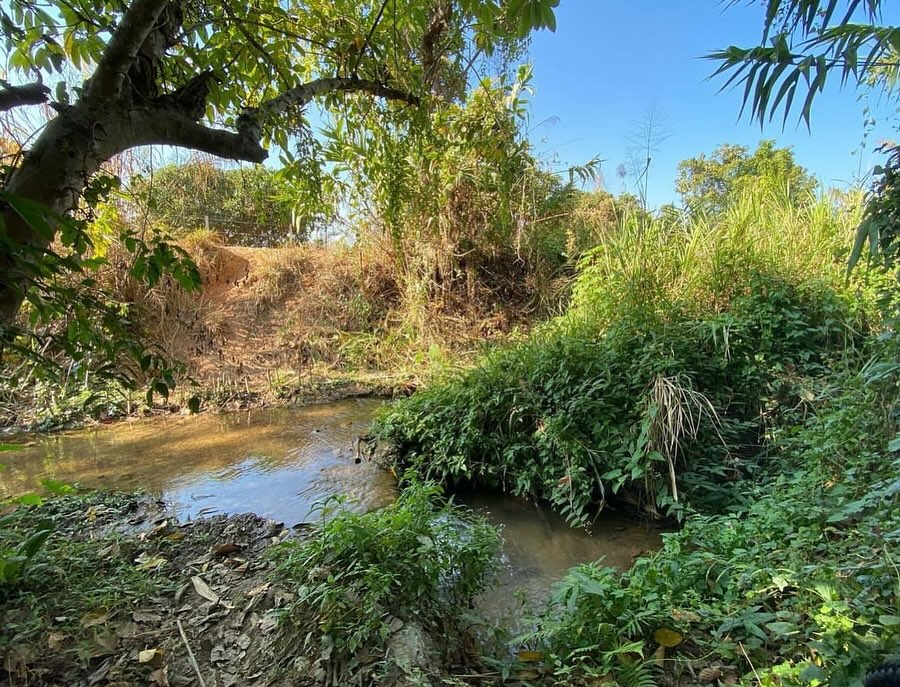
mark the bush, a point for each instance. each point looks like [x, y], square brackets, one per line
[253, 206]
[660, 384]
[802, 587]
[420, 561]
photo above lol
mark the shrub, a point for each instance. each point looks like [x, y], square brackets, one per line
[659, 385]
[420, 561]
[802, 588]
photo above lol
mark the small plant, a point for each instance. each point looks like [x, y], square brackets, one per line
[417, 564]
[17, 546]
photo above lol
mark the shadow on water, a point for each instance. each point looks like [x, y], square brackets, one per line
[539, 547]
[280, 462]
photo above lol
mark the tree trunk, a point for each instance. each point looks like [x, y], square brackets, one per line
[53, 173]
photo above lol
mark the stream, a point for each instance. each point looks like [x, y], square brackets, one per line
[279, 463]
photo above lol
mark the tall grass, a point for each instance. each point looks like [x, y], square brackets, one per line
[695, 265]
[685, 340]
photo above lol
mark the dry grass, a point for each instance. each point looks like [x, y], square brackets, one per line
[677, 412]
[310, 312]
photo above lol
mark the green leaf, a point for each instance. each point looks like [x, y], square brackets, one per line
[55, 486]
[29, 499]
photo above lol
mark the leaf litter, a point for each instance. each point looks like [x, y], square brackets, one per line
[208, 575]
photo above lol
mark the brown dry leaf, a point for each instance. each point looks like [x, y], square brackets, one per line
[225, 549]
[149, 655]
[261, 589]
[149, 562]
[146, 617]
[96, 617]
[667, 638]
[203, 589]
[106, 642]
[126, 630]
[267, 624]
[659, 656]
[709, 674]
[681, 616]
[160, 677]
[17, 660]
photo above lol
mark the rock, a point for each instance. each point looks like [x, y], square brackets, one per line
[409, 657]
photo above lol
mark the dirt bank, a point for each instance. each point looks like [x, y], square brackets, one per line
[283, 324]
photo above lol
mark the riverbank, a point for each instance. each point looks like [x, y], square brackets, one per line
[272, 327]
[122, 593]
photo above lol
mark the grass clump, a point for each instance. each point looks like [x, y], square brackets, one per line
[684, 344]
[364, 582]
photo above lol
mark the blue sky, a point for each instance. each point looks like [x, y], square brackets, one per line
[609, 62]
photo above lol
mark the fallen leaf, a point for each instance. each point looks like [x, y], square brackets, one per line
[709, 674]
[96, 617]
[203, 589]
[659, 656]
[225, 549]
[54, 640]
[261, 589]
[148, 562]
[106, 642]
[685, 616]
[267, 624]
[149, 655]
[160, 677]
[145, 617]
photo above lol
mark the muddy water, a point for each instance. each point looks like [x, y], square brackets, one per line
[279, 463]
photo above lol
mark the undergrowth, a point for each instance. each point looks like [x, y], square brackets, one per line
[801, 588]
[685, 342]
[409, 570]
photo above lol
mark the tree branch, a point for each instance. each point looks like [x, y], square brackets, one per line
[27, 94]
[250, 122]
[161, 125]
[123, 48]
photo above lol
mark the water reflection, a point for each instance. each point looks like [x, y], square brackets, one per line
[274, 462]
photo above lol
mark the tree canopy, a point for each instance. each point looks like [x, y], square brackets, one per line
[225, 78]
[708, 183]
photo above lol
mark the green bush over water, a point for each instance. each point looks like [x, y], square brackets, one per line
[684, 344]
[803, 587]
